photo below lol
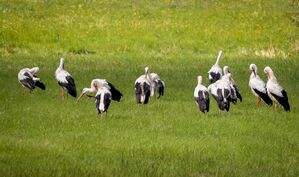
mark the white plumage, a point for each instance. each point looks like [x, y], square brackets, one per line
[201, 96]
[275, 91]
[258, 86]
[215, 73]
[103, 99]
[96, 84]
[27, 77]
[157, 85]
[235, 93]
[143, 87]
[65, 80]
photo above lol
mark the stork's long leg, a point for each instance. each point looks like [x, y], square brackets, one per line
[62, 93]
[258, 102]
[276, 107]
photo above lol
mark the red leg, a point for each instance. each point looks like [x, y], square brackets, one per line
[259, 102]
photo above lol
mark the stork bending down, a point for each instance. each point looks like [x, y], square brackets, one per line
[27, 77]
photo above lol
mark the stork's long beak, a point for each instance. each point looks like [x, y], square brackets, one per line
[80, 96]
[267, 74]
[254, 73]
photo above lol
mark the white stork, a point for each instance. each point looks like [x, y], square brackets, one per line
[234, 89]
[215, 73]
[96, 84]
[65, 80]
[157, 85]
[143, 87]
[201, 96]
[221, 91]
[258, 86]
[103, 99]
[276, 92]
[27, 77]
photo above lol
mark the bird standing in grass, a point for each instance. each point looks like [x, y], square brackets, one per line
[65, 80]
[201, 96]
[215, 73]
[235, 93]
[276, 92]
[143, 87]
[103, 99]
[157, 85]
[96, 84]
[27, 77]
[258, 87]
[221, 91]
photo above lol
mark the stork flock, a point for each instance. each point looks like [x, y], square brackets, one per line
[222, 87]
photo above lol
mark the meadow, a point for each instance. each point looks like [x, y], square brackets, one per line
[43, 135]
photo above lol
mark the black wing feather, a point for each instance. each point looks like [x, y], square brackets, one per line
[115, 94]
[283, 100]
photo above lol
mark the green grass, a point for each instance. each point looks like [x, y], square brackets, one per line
[42, 135]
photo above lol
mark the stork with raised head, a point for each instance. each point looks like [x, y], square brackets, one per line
[201, 96]
[215, 73]
[27, 77]
[234, 89]
[103, 98]
[96, 84]
[143, 87]
[65, 80]
[275, 91]
[158, 85]
[221, 91]
[258, 87]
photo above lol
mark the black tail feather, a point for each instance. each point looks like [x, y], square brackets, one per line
[40, 85]
[264, 97]
[283, 100]
[115, 94]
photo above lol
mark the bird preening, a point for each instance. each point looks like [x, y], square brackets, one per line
[28, 78]
[223, 87]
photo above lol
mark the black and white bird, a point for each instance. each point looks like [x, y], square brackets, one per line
[27, 77]
[201, 96]
[235, 93]
[96, 84]
[157, 85]
[103, 99]
[221, 91]
[215, 73]
[258, 87]
[275, 91]
[65, 80]
[143, 87]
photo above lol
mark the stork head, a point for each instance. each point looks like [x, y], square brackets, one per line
[146, 70]
[34, 70]
[268, 71]
[226, 70]
[199, 79]
[253, 68]
[84, 91]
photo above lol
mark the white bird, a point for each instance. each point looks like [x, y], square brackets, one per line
[221, 91]
[215, 73]
[157, 85]
[27, 77]
[201, 96]
[258, 87]
[96, 84]
[234, 89]
[103, 99]
[65, 80]
[143, 87]
[276, 92]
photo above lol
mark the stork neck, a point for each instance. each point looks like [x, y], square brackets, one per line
[61, 65]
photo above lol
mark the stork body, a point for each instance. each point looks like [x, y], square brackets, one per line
[103, 100]
[65, 80]
[96, 84]
[215, 73]
[201, 96]
[143, 88]
[221, 91]
[275, 91]
[158, 85]
[27, 77]
[258, 87]
[235, 93]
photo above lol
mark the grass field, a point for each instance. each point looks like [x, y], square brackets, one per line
[43, 135]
